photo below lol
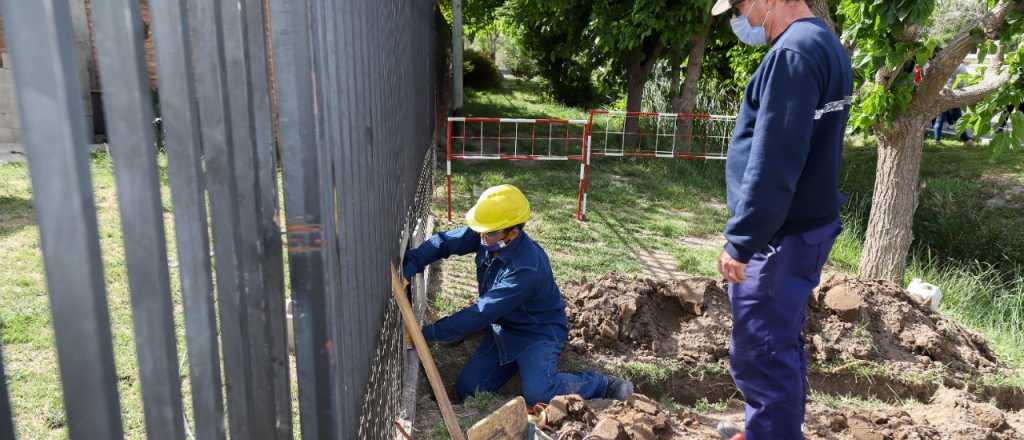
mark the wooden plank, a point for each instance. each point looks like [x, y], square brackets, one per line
[413, 328]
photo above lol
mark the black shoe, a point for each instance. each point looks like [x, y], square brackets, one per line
[618, 388]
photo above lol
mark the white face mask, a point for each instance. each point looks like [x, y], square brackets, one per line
[497, 246]
[748, 33]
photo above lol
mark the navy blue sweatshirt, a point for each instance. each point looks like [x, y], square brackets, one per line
[782, 173]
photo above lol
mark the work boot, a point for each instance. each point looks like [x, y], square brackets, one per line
[730, 431]
[618, 388]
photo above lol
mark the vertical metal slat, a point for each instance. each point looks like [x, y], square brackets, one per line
[129, 114]
[39, 35]
[180, 115]
[218, 149]
[297, 121]
[6, 417]
[269, 223]
[250, 255]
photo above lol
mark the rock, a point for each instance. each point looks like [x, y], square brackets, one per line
[626, 311]
[844, 302]
[837, 423]
[641, 432]
[691, 294]
[863, 430]
[989, 416]
[643, 404]
[609, 331]
[556, 411]
[509, 421]
[608, 429]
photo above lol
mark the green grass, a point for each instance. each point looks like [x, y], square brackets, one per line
[29, 350]
[702, 406]
[839, 402]
[640, 205]
[517, 99]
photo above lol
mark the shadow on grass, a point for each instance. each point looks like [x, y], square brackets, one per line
[15, 214]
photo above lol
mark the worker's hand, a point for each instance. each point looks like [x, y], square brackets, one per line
[733, 271]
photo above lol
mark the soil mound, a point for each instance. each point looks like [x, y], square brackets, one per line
[645, 318]
[689, 320]
[953, 414]
[891, 326]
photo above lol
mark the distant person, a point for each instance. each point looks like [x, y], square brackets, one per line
[782, 177]
[952, 115]
[520, 309]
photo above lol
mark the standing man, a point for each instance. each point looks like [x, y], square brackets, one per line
[782, 181]
[520, 308]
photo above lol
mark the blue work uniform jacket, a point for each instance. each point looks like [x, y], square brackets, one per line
[519, 303]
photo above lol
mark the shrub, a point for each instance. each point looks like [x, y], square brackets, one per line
[479, 72]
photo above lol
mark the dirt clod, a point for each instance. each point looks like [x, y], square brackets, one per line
[845, 303]
[608, 429]
[837, 423]
[564, 410]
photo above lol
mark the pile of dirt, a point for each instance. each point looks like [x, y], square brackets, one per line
[639, 418]
[689, 320]
[880, 321]
[641, 318]
[952, 414]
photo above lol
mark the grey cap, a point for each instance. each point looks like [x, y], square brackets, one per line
[723, 5]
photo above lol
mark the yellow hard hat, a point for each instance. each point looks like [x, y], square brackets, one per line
[499, 207]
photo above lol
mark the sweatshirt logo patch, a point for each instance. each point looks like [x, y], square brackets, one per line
[833, 106]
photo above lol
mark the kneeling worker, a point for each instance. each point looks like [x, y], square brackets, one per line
[520, 307]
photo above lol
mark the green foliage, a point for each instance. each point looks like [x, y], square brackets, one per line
[479, 71]
[992, 115]
[877, 27]
[518, 62]
[582, 47]
[744, 60]
[551, 33]
[619, 28]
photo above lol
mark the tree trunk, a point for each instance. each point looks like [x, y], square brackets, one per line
[676, 61]
[641, 62]
[686, 101]
[821, 9]
[890, 227]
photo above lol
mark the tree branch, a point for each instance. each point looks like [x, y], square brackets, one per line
[995, 77]
[949, 58]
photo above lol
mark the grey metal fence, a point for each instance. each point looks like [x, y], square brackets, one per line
[355, 98]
